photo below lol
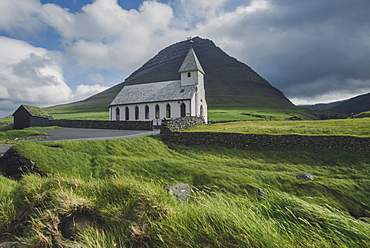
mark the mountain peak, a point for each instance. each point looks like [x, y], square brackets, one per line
[227, 80]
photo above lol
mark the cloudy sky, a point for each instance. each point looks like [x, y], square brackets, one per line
[57, 51]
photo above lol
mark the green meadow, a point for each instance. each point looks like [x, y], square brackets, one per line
[8, 133]
[359, 127]
[239, 113]
[215, 113]
[118, 188]
[112, 193]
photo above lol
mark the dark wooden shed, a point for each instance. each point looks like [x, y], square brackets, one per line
[29, 116]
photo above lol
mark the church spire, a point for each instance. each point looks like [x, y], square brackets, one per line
[191, 62]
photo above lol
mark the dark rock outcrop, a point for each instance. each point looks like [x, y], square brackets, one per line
[15, 165]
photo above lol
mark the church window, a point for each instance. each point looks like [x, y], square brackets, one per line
[117, 114]
[201, 110]
[127, 114]
[183, 109]
[189, 74]
[146, 112]
[137, 113]
[168, 111]
[157, 111]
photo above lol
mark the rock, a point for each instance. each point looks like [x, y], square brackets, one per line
[261, 192]
[305, 176]
[180, 190]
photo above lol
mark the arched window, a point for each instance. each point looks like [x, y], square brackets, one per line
[157, 111]
[146, 112]
[168, 111]
[189, 74]
[183, 109]
[201, 111]
[127, 114]
[117, 114]
[137, 113]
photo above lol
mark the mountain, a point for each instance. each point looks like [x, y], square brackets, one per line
[322, 106]
[227, 80]
[348, 107]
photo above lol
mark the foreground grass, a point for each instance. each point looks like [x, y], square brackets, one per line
[119, 185]
[347, 127]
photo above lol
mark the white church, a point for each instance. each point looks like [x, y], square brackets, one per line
[164, 100]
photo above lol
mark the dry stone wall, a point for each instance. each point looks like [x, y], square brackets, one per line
[259, 140]
[181, 123]
[122, 125]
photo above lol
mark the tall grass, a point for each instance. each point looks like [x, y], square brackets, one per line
[119, 187]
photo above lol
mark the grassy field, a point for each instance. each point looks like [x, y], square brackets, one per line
[8, 133]
[98, 113]
[215, 113]
[221, 113]
[349, 127]
[118, 188]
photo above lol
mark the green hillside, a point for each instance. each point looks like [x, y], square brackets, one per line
[115, 191]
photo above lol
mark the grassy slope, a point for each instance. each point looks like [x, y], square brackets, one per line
[121, 185]
[363, 115]
[8, 133]
[347, 127]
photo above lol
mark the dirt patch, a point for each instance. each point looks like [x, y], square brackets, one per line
[76, 220]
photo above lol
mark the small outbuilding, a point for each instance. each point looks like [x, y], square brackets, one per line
[29, 116]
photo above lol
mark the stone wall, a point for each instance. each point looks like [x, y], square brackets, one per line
[181, 123]
[259, 140]
[124, 125]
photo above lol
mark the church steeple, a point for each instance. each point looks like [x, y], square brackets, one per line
[191, 63]
[191, 71]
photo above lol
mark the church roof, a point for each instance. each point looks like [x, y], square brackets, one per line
[191, 63]
[154, 92]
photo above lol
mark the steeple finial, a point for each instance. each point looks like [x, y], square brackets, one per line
[190, 39]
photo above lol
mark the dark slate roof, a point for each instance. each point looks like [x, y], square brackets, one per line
[191, 63]
[154, 92]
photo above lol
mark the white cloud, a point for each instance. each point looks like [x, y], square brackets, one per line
[105, 36]
[20, 16]
[30, 75]
[84, 91]
[97, 78]
[297, 46]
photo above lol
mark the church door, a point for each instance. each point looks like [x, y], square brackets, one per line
[117, 114]
[127, 114]
[136, 113]
[183, 110]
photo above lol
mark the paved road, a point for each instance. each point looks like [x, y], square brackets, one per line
[93, 134]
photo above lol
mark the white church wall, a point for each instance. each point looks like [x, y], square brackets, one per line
[175, 110]
[186, 80]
